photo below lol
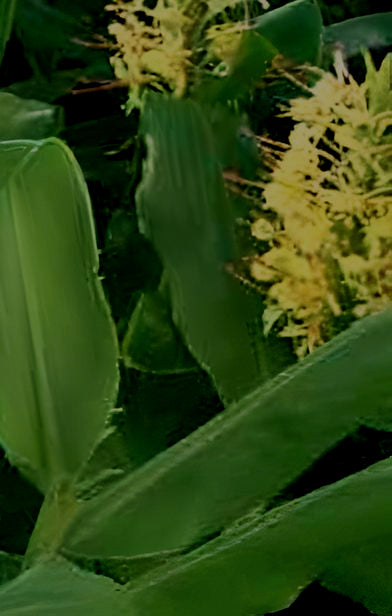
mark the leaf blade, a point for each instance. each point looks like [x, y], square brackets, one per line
[53, 372]
[249, 453]
[336, 535]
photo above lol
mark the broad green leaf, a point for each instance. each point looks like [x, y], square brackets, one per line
[294, 29]
[28, 119]
[365, 32]
[7, 12]
[339, 535]
[58, 350]
[61, 589]
[152, 343]
[184, 210]
[247, 454]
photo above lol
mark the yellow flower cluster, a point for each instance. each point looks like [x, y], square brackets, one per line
[327, 212]
[169, 46]
[151, 45]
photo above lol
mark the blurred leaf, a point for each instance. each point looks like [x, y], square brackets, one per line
[247, 454]
[365, 32]
[235, 144]
[294, 29]
[152, 342]
[28, 119]
[59, 588]
[275, 32]
[183, 209]
[81, 9]
[250, 64]
[46, 90]
[10, 566]
[337, 535]
[58, 362]
[94, 143]
[7, 12]
[48, 34]
[61, 82]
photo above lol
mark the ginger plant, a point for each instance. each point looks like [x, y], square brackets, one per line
[325, 222]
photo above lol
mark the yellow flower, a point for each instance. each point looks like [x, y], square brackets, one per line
[152, 45]
[330, 251]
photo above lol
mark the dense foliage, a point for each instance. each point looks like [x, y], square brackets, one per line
[195, 320]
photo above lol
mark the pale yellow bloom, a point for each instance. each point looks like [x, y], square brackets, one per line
[331, 193]
[156, 54]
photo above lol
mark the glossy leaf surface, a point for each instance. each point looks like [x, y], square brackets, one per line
[247, 454]
[336, 535]
[294, 29]
[358, 33]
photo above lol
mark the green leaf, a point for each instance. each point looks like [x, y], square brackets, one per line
[339, 535]
[58, 374]
[353, 35]
[152, 342]
[60, 588]
[7, 12]
[184, 210]
[28, 119]
[294, 29]
[249, 453]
